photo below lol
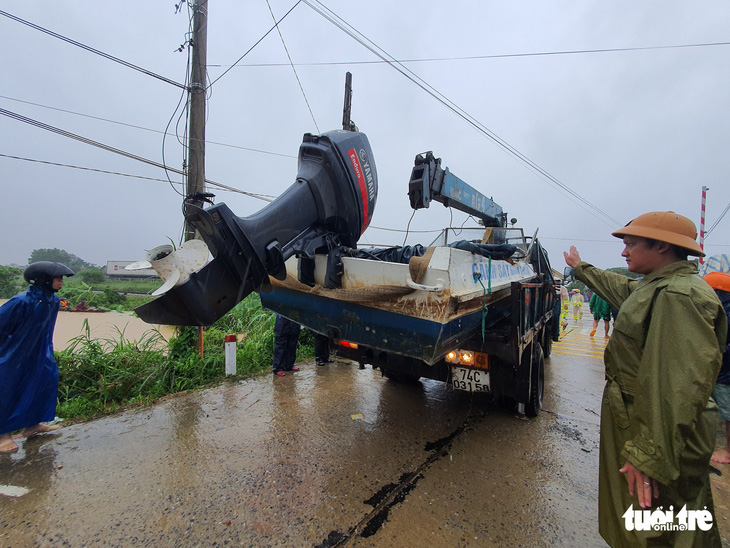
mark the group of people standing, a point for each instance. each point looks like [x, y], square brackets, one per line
[598, 307]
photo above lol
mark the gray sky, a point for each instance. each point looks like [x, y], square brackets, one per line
[630, 131]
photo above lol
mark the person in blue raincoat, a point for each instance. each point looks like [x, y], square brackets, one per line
[28, 370]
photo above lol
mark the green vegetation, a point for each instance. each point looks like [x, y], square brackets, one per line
[11, 281]
[92, 275]
[102, 376]
[59, 256]
[106, 293]
[89, 285]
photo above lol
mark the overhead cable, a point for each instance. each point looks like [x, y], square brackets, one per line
[493, 56]
[87, 169]
[276, 24]
[718, 220]
[340, 23]
[207, 142]
[292, 66]
[108, 148]
[95, 170]
[92, 50]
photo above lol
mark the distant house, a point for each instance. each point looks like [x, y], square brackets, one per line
[115, 269]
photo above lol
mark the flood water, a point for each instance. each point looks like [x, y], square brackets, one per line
[103, 325]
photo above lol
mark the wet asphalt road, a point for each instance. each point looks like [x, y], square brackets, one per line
[330, 455]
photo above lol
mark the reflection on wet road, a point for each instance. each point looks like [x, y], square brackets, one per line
[328, 455]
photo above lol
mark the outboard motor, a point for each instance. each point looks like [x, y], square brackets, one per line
[331, 203]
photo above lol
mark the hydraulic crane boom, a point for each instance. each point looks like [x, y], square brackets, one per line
[429, 181]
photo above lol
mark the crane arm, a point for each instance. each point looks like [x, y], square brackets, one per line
[429, 181]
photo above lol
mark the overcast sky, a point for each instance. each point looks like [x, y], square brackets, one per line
[628, 131]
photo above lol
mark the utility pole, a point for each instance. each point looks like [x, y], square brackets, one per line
[196, 139]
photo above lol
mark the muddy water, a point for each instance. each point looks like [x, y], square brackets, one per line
[327, 456]
[103, 325]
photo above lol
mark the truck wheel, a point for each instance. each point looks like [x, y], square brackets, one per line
[547, 344]
[400, 377]
[537, 389]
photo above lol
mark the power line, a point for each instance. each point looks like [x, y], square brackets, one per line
[256, 44]
[87, 169]
[95, 170]
[249, 149]
[402, 230]
[492, 56]
[348, 29]
[108, 148]
[292, 66]
[718, 220]
[90, 49]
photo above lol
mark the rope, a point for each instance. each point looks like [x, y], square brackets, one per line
[487, 291]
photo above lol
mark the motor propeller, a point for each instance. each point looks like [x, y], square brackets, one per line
[331, 202]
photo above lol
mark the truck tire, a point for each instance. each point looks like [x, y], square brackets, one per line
[405, 378]
[537, 388]
[547, 343]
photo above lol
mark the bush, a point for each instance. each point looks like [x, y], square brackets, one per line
[11, 281]
[100, 375]
[92, 275]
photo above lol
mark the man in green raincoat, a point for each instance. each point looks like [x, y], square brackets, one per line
[657, 417]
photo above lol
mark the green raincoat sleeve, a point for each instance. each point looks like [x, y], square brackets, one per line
[612, 287]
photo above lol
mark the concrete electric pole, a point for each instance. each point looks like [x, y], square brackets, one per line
[196, 139]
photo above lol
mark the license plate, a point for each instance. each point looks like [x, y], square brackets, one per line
[471, 380]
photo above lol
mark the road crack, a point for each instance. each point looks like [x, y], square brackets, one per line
[394, 493]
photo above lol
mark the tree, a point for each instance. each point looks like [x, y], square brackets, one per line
[10, 281]
[92, 275]
[59, 256]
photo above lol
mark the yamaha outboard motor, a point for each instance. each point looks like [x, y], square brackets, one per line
[331, 203]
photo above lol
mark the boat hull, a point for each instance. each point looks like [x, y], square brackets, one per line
[456, 295]
[391, 332]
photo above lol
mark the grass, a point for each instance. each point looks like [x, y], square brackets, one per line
[109, 294]
[103, 376]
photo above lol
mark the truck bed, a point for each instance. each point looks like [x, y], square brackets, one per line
[382, 306]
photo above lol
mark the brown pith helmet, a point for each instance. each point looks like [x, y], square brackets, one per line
[664, 226]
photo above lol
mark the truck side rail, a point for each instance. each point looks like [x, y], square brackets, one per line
[532, 309]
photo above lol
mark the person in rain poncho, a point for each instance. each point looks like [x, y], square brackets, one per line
[28, 371]
[601, 311]
[577, 301]
[565, 304]
[657, 417]
[720, 282]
